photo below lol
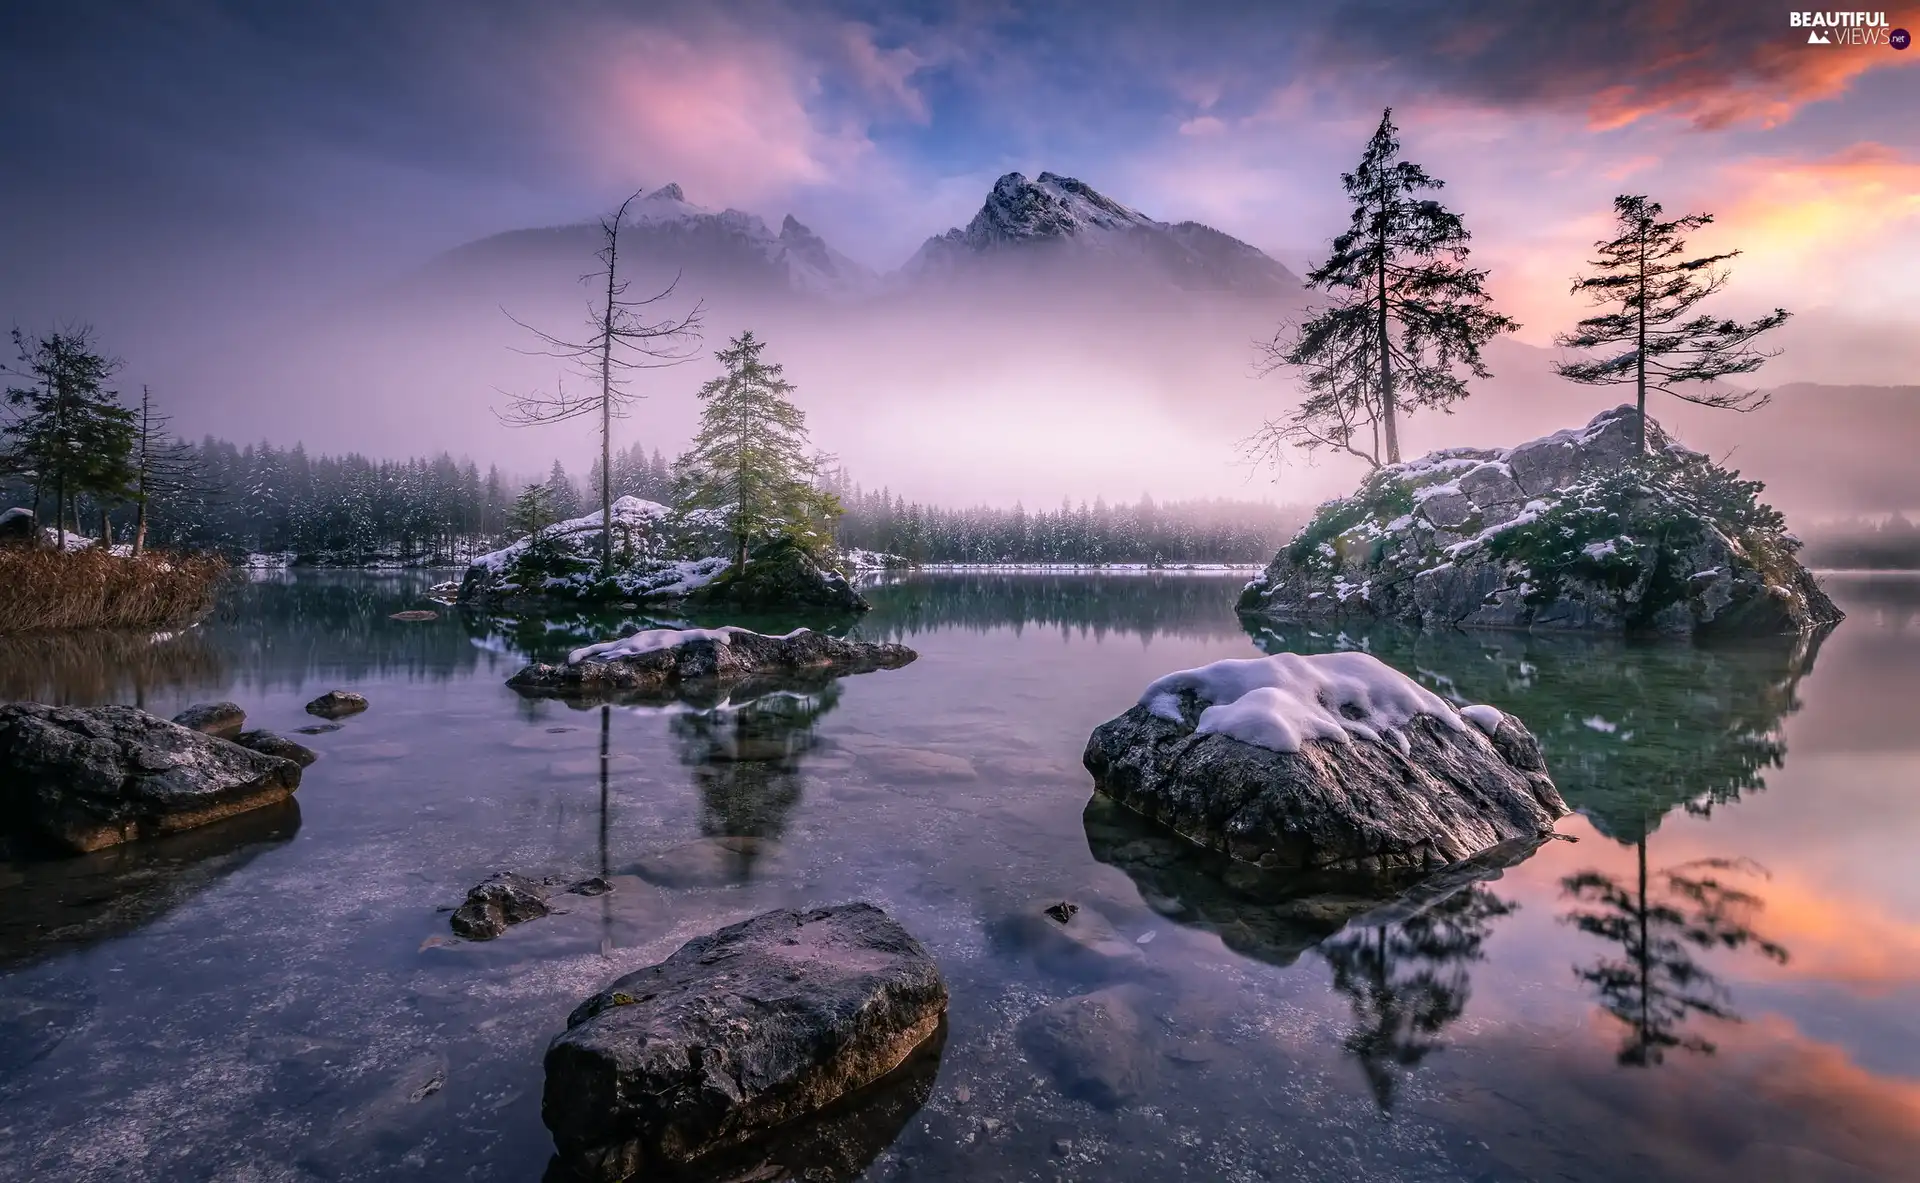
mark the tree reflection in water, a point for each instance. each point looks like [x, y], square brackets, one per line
[745, 759]
[1660, 922]
[1408, 982]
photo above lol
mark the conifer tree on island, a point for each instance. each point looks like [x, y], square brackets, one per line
[1406, 313]
[1652, 288]
[749, 465]
[620, 340]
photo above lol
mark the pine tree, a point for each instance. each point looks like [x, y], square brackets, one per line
[561, 498]
[1406, 314]
[749, 463]
[532, 511]
[69, 432]
[1644, 274]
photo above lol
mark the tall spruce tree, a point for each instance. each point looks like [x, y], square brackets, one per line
[620, 340]
[1406, 314]
[69, 433]
[1651, 289]
[749, 465]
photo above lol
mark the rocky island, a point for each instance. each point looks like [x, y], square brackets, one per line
[658, 557]
[1573, 531]
[1335, 761]
[672, 662]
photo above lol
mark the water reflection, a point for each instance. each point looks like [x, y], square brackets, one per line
[63, 903]
[1408, 982]
[835, 1145]
[1661, 922]
[1630, 731]
[745, 759]
[1399, 944]
[1143, 605]
[91, 668]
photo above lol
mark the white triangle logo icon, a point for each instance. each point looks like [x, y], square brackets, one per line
[1817, 38]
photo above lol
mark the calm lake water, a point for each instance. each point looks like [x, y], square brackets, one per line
[1718, 978]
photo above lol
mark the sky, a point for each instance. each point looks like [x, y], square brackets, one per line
[184, 173]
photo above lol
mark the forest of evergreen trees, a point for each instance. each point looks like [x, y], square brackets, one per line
[1208, 531]
[259, 498]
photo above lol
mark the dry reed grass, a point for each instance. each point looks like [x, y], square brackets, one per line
[43, 590]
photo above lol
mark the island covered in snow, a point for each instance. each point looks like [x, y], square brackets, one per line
[1574, 531]
[659, 554]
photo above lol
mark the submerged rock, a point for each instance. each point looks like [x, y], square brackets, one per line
[1070, 940]
[337, 704]
[735, 1035]
[224, 719]
[1333, 761]
[503, 901]
[84, 778]
[668, 659]
[415, 614]
[784, 574]
[1098, 1046]
[267, 743]
[1574, 531]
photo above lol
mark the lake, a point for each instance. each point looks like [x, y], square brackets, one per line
[1716, 976]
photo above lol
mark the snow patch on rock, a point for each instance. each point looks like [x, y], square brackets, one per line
[1280, 702]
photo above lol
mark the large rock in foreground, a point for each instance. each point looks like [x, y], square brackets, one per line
[738, 1032]
[1333, 761]
[1574, 531]
[664, 660]
[80, 779]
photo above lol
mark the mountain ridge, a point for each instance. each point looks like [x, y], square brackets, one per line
[1051, 221]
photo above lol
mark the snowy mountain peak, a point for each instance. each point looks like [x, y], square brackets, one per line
[1071, 219]
[667, 192]
[1049, 206]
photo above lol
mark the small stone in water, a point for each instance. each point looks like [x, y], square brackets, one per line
[1063, 911]
[1145, 938]
[961, 1094]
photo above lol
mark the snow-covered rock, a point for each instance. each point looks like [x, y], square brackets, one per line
[563, 561]
[1055, 218]
[1573, 531]
[17, 526]
[656, 661]
[1331, 761]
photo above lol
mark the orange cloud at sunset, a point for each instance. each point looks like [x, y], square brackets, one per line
[1782, 76]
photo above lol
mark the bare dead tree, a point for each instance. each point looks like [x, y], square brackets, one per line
[164, 466]
[622, 338]
[1340, 410]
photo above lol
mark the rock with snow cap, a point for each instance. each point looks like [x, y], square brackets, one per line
[674, 661]
[1334, 761]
